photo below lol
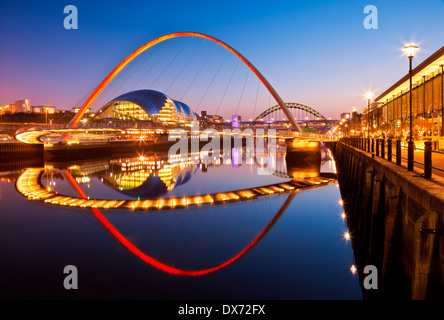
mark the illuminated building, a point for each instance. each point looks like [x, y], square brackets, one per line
[23, 105]
[43, 109]
[388, 115]
[9, 108]
[147, 105]
[147, 176]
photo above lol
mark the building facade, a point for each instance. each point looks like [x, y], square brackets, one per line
[23, 105]
[389, 114]
[148, 105]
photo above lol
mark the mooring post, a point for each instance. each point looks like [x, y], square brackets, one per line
[428, 159]
[410, 155]
[389, 150]
[383, 148]
[425, 232]
[398, 152]
[377, 147]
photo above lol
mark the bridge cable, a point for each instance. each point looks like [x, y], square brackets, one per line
[186, 64]
[168, 65]
[155, 64]
[164, 69]
[198, 72]
[150, 54]
[242, 93]
[211, 82]
[227, 227]
[255, 101]
[80, 102]
[226, 88]
[243, 222]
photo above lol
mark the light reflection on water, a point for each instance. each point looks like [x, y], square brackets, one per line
[302, 256]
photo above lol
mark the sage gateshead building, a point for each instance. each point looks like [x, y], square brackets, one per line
[389, 114]
[148, 105]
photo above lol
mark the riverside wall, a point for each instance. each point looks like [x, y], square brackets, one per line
[395, 220]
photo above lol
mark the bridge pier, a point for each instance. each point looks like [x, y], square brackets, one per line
[303, 158]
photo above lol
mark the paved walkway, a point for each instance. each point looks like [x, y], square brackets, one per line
[437, 162]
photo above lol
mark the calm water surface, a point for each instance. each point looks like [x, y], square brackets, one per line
[302, 256]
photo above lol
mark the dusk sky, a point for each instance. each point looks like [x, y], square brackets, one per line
[317, 53]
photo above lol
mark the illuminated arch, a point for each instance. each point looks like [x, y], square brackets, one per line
[34, 175]
[165, 267]
[75, 121]
[291, 105]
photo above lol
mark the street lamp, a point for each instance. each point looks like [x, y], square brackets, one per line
[410, 50]
[369, 95]
[46, 115]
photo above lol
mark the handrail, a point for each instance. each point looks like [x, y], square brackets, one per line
[378, 147]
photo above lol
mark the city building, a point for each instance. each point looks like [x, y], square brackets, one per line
[351, 124]
[23, 105]
[9, 108]
[235, 121]
[43, 109]
[345, 116]
[147, 105]
[389, 114]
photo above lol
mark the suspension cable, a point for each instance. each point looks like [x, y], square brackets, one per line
[226, 88]
[197, 74]
[211, 82]
[168, 65]
[186, 64]
[242, 93]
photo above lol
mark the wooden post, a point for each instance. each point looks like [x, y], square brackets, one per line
[425, 231]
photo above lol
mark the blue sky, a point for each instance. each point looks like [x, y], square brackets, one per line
[313, 52]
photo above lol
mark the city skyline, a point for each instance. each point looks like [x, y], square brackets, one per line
[317, 53]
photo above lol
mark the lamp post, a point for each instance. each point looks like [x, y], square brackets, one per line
[442, 98]
[368, 96]
[353, 120]
[410, 49]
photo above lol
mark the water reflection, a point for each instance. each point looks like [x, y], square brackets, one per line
[147, 177]
[237, 211]
[144, 177]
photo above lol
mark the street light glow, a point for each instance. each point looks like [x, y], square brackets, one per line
[410, 49]
[353, 269]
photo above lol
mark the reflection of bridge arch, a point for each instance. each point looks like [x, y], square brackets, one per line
[146, 46]
[158, 264]
[29, 185]
[290, 105]
[31, 175]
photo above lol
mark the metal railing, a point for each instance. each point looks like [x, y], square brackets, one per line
[390, 149]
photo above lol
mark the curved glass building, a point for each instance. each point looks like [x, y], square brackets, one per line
[147, 105]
